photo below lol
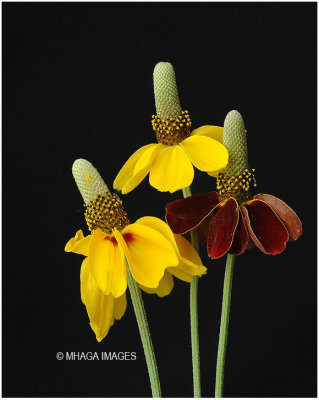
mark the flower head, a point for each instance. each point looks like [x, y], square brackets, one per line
[148, 248]
[235, 218]
[170, 161]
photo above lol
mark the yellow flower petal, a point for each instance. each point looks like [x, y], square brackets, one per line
[159, 225]
[189, 261]
[164, 288]
[148, 253]
[127, 170]
[129, 176]
[205, 153]
[214, 173]
[171, 170]
[107, 264]
[141, 168]
[212, 131]
[85, 278]
[100, 308]
[187, 251]
[79, 244]
[120, 306]
[180, 274]
[147, 157]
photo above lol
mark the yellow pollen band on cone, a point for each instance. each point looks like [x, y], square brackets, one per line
[241, 187]
[171, 131]
[106, 212]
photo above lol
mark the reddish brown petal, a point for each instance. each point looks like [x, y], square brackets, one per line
[265, 228]
[285, 213]
[250, 244]
[203, 228]
[186, 214]
[241, 237]
[222, 228]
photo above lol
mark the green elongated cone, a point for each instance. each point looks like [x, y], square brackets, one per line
[88, 180]
[165, 91]
[234, 139]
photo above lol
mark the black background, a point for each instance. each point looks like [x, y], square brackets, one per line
[77, 82]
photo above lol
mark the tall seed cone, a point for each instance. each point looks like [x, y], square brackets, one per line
[165, 91]
[88, 180]
[234, 139]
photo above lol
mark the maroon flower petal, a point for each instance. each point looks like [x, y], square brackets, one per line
[250, 244]
[186, 214]
[288, 217]
[264, 226]
[222, 228]
[203, 228]
[241, 237]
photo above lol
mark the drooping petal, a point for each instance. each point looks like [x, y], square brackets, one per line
[147, 157]
[188, 252]
[161, 227]
[241, 237]
[164, 288]
[212, 131]
[129, 177]
[189, 260]
[100, 308]
[206, 154]
[203, 228]
[265, 227]
[222, 228]
[186, 214]
[190, 263]
[107, 264]
[79, 244]
[148, 253]
[87, 282]
[250, 244]
[120, 304]
[171, 170]
[180, 274]
[288, 217]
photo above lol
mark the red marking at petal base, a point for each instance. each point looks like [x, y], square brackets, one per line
[111, 239]
[222, 228]
[186, 214]
[265, 227]
[288, 217]
[128, 237]
[241, 237]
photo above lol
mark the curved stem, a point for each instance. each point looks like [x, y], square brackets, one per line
[223, 332]
[142, 323]
[194, 314]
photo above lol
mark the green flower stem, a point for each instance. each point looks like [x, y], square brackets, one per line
[194, 314]
[223, 332]
[142, 323]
